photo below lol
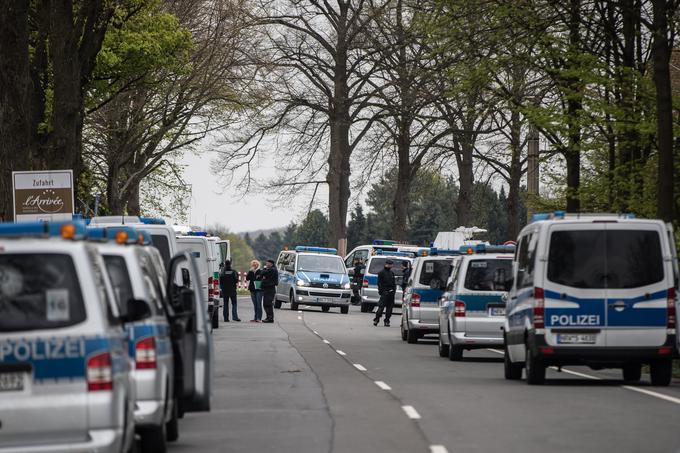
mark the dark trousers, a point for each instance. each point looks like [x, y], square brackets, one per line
[268, 303]
[386, 303]
[256, 297]
[230, 296]
[356, 294]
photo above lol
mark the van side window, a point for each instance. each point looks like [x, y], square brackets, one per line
[526, 254]
[280, 264]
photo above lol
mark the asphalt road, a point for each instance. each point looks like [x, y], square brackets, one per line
[318, 382]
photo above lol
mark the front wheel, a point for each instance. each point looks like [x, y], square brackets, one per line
[216, 318]
[535, 369]
[661, 372]
[344, 310]
[404, 332]
[152, 439]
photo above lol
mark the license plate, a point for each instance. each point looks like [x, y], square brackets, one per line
[576, 338]
[496, 311]
[11, 382]
[325, 300]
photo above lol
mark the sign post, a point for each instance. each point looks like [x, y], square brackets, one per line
[42, 195]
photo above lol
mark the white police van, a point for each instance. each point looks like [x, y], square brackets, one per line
[65, 377]
[313, 276]
[429, 276]
[472, 310]
[376, 263]
[595, 290]
[204, 251]
[133, 276]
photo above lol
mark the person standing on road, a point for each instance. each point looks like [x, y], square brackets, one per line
[357, 281]
[387, 287]
[270, 278]
[228, 286]
[406, 274]
[254, 279]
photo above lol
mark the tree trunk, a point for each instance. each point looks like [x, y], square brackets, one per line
[515, 174]
[15, 120]
[133, 204]
[465, 179]
[574, 107]
[405, 175]
[338, 181]
[661, 53]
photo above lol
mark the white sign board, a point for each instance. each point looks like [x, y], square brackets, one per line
[43, 195]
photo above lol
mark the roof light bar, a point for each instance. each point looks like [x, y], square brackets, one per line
[71, 229]
[381, 252]
[152, 221]
[304, 248]
[561, 215]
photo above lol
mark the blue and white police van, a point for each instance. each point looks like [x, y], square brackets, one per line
[426, 285]
[595, 290]
[65, 378]
[472, 310]
[314, 276]
[376, 263]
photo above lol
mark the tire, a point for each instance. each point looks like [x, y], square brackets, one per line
[455, 353]
[442, 348]
[277, 303]
[535, 369]
[172, 426]
[404, 332]
[661, 372]
[325, 309]
[293, 306]
[632, 372]
[513, 371]
[344, 310]
[216, 319]
[152, 440]
[364, 307]
[412, 336]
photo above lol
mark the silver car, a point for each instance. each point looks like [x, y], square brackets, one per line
[65, 374]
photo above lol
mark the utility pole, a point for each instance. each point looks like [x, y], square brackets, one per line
[532, 169]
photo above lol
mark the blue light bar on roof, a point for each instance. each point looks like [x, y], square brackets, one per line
[97, 234]
[152, 221]
[71, 229]
[483, 248]
[381, 252]
[442, 252]
[198, 233]
[384, 242]
[304, 248]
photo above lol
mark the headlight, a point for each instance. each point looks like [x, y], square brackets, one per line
[347, 286]
[302, 283]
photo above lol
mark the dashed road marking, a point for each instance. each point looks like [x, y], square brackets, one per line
[654, 394]
[299, 311]
[340, 352]
[315, 332]
[497, 351]
[438, 449]
[411, 412]
[299, 317]
[359, 367]
[326, 341]
[382, 385]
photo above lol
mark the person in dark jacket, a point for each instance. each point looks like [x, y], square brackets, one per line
[270, 278]
[406, 274]
[254, 279]
[228, 286]
[387, 287]
[357, 281]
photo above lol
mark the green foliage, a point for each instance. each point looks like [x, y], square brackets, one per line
[313, 231]
[241, 252]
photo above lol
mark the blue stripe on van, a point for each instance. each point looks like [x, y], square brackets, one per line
[428, 294]
[372, 280]
[159, 331]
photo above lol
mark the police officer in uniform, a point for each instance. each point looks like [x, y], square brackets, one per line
[406, 274]
[387, 287]
[229, 285]
[270, 278]
[357, 281]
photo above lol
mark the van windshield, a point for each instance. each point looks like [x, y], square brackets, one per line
[480, 274]
[318, 263]
[599, 259]
[39, 291]
[378, 264]
[161, 243]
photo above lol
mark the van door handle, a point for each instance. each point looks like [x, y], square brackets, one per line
[619, 304]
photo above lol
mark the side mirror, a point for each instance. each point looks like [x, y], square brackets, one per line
[137, 310]
[290, 268]
[186, 277]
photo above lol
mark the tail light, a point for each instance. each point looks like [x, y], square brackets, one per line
[670, 308]
[459, 309]
[216, 287]
[415, 300]
[365, 283]
[539, 308]
[99, 372]
[211, 289]
[145, 354]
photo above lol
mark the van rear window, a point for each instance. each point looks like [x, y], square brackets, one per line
[435, 270]
[378, 264]
[480, 274]
[120, 278]
[39, 291]
[600, 259]
[163, 245]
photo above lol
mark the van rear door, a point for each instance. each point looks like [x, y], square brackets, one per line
[432, 278]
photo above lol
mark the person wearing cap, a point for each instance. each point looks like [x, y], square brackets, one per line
[270, 278]
[387, 287]
[228, 286]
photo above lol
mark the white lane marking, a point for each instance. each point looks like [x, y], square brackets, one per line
[299, 317]
[411, 412]
[576, 373]
[382, 385]
[654, 394]
[438, 449]
[359, 367]
[497, 351]
[340, 352]
[299, 311]
[326, 341]
[315, 332]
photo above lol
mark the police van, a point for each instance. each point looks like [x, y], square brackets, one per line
[363, 252]
[204, 251]
[133, 276]
[420, 310]
[65, 375]
[376, 263]
[595, 290]
[472, 310]
[313, 276]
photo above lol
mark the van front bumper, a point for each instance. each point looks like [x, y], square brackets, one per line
[320, 297]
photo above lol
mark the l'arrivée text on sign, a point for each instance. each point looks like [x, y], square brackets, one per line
[46, 195]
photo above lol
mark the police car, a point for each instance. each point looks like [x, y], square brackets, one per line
[65, 376]
[595, 290]
[420, 311]
[133, 274]
[363, 252]
[376, 263]
[313, 276]
[472, 310]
